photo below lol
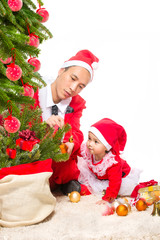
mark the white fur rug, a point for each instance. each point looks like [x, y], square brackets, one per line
[84, 221]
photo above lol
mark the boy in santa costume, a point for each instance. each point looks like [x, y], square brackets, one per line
[60, 104]
[101, 167]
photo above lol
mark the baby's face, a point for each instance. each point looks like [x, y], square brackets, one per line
[96, 147]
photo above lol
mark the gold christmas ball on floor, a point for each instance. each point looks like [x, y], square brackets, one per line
[115, 204]
[74, 196]
[122, 210]
[141, 205]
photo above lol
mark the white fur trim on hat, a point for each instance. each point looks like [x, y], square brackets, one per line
[78, 63]
[95, 65]
[99, 135]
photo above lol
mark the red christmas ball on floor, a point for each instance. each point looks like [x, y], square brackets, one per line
[12, 124]
[13, 72]
[43, 13]
[35, 62]
[6, 61]
[33, 40]
[28, 91]
[15, 5]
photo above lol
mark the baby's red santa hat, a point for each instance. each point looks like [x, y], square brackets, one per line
[111, 134]
[83, 58]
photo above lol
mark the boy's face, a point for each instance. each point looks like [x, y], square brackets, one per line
[70, 82]
[96, 147]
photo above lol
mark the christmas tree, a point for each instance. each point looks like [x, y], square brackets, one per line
[21, 31]
[24, 137]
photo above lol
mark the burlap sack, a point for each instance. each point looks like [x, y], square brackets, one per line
[25, 196]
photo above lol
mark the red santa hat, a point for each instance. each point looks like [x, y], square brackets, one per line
[111, 134]
[83, 58]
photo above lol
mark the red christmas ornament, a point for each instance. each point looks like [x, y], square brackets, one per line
[26, 145]
[28, 91]
[27, 140]
[12, 124]
[6, 61]
[15, 5]
[13, 72]
[108, 210]
[33, 40]
[35, 62]
[43, 13]
[11, 152]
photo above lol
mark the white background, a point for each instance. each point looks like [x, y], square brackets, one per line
[125, 36]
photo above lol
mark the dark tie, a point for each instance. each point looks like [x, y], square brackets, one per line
[55, 110]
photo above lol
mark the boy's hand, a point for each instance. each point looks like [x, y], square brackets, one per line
[55, 120]
[70, 146]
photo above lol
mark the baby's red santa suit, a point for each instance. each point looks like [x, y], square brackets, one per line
[120, 178]
[64, 172]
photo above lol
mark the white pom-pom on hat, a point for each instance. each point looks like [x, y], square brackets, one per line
[95, 65]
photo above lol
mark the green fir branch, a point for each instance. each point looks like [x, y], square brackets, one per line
[6, 41]
[21, 99]
[48, 147]
[43, 28]
[52, 145]
[29, 3]
[29, 115]
[38, 77]
[2, 69]
[30, 13]
[15, 28]
[9, 12]
[2, 9]
[40, 2]
[3, 99]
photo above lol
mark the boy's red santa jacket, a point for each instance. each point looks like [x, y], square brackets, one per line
[111, 167]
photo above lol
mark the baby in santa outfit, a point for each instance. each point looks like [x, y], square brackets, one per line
[101, 167]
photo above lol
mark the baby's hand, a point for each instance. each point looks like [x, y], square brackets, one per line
[101, 202]
[110, 199]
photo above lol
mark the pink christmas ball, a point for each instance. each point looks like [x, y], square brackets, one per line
[33, 40]
[35, 62]
[13, 72]
[43, 13]
[12, 124]
[28, 91]
[6, 61]
[15, 5]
